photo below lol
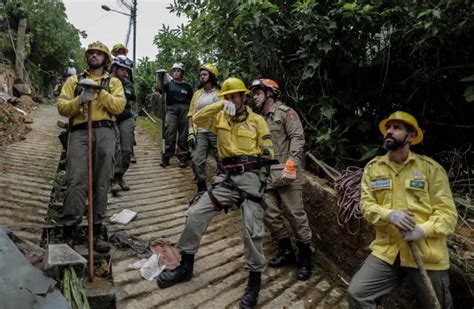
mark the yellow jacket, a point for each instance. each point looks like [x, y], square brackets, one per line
[104, 107]
[421, 186]
[247, 138]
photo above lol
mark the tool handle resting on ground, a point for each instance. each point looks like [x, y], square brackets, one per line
[90, 206]
[161, 77]
[424, 274]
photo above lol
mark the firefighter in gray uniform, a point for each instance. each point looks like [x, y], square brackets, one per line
[284, 189]
[122, 69]
[245, 146]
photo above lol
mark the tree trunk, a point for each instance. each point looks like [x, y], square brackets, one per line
[20, 48]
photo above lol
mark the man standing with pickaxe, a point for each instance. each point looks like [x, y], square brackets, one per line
[407, 198]
[107, 101]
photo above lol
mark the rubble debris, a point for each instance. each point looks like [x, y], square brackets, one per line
[22, 285]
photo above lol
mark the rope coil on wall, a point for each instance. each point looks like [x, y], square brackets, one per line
[348, 191]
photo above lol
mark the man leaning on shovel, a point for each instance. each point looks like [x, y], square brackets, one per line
[407, 198]
[107, 101]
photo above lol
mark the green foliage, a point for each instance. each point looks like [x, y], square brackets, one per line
[50, 40]
[343, 65]
[6, 117]
[144, 80]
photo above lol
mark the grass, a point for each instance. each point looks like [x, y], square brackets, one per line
[152, 129]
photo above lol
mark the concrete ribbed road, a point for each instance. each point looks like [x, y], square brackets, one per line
[27, 173]
[160, 196]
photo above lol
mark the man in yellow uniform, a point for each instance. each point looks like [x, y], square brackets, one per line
[284, 194]
[106, 103]
[201, 140]
[406, 197]
[245, 147]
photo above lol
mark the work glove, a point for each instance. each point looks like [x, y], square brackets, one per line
[414, 234]
[289, 172]
[192, 140]
[229, 108]
[88, 94]
[401, 219]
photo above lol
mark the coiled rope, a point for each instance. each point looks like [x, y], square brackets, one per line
[348, 191]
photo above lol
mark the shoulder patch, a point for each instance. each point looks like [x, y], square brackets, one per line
[292, 114]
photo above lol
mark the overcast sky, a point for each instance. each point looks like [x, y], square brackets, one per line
[111, 27]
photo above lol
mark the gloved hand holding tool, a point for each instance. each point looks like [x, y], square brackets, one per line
[415, 234]
[401, 219]
[89, 92]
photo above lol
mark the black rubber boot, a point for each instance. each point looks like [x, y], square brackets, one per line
[114, 185]
[100, 245]
[68, 235]
[182, 273]
[165, 162]
[250, 297]
[304, 261]
[286, 256]
[123, 185]
[201, 186]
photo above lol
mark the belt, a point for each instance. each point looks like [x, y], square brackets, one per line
[239, 160]
[95, 125]
[247, 164]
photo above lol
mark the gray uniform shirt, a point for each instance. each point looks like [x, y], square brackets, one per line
[288, 140]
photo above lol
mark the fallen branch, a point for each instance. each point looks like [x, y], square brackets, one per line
[330, 171]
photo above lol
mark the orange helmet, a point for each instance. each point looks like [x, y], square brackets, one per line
[266, 83]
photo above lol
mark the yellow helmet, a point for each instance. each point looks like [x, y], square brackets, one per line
[119, 46]
[406, 118]
[210, 68]
[233, 85]
[97, 45]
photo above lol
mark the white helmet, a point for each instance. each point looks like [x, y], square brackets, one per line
[178, 65]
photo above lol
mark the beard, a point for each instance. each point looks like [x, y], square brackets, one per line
[95, 65]
[392, 144]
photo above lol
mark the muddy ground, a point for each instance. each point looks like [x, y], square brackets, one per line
[13, 123]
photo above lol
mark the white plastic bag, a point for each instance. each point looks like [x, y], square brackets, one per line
[151, 268]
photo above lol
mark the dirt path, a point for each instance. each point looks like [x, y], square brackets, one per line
[27, 172]
[160, 196]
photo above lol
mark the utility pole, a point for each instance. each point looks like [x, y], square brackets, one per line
[134, 18]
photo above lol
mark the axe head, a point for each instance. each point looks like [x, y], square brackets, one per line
[87, 83]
